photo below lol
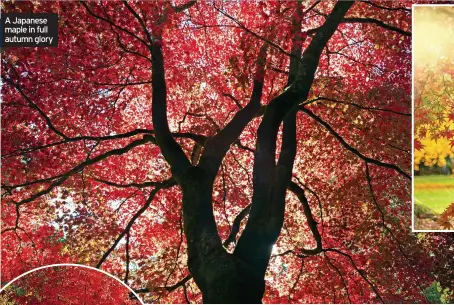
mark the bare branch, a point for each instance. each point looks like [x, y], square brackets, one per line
[404, 9]
[59, 179]
[36, 107]
[112, 23]
[360, 272]
[352, 149]
[340, 275]
[377, 22]
[355, 105]
[167, 288]
[299, 192]
[236, 226]
[217, 146]
[171, 150]
[382, 214]
[165, 184]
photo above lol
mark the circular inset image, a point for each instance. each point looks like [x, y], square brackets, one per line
[68, 285]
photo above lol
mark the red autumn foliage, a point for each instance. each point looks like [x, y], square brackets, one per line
[149, 144]
[61, 285]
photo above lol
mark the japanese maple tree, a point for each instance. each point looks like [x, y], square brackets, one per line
[218, 151]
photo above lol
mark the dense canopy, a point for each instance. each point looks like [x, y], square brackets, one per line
[219, 151]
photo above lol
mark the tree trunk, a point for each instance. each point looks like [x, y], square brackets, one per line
[231, 281]
[239, 277]
[222, 277]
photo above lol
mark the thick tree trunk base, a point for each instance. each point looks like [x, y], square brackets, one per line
[229, 281]
[236, 288]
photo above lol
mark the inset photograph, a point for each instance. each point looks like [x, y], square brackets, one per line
[433, 66]
[68, 285]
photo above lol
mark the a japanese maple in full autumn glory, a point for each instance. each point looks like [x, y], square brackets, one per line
[219, 151]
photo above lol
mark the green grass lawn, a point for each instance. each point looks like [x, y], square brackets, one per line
[435, 192]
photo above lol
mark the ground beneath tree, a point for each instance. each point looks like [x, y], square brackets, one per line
[427, 219]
